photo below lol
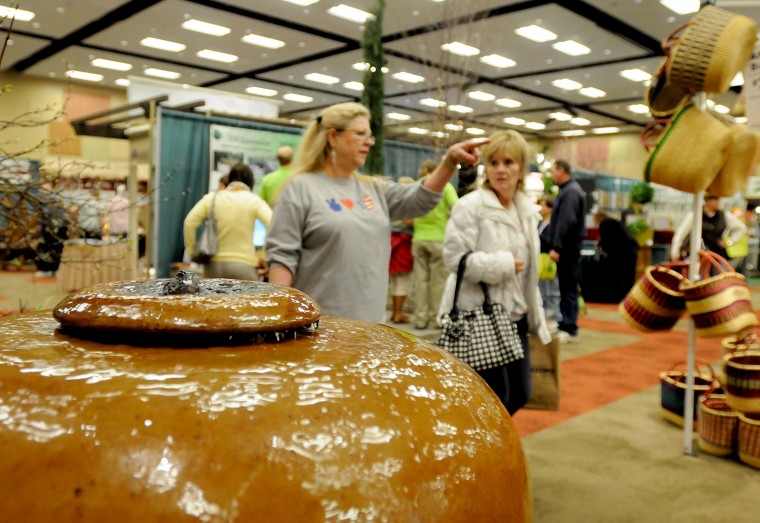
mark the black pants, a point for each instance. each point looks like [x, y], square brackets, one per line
[512, 382]
[567, 273]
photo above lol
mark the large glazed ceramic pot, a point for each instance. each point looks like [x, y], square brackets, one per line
[350, 421]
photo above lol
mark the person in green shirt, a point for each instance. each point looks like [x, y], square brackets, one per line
[429, 272]
[271, 183]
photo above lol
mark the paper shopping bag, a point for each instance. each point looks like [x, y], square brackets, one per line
[544, 371]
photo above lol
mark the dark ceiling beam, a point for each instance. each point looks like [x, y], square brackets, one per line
[76, 37]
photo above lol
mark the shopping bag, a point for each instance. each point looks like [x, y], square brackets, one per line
[544, 371]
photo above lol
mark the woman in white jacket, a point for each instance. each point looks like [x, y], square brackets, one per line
[499, 223]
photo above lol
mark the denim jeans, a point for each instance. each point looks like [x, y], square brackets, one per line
[550, 296]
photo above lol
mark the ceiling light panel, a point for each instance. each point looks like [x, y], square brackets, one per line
[561, 117]
[536, 33]
[111, 64]
[638, 108]
[260, 91]
[408, 77]
[302, 3]
[418, 130]
[18, 15]
[349, 13]
[300, 98]
[122, 82]
[322, 78]
[535, 126]
[162, 73]
[496, 60]
[461, 109]
[216, 56]
[508, 102]
[163, 45]
[567, 84]
[83, 75]
[399, 116]
[681, 7]
[481, 95]
[572, 48]
[605, 130]
[476, 131]
[592, 92]
[354, 86]
[461, 49]
[263, 41]
[205, 27]
[580, 121]
[513, 120]
[636, 75]
[430, 102]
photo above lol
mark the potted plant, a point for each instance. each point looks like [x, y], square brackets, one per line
[640, 194]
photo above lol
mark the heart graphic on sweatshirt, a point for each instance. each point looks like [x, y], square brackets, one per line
[348, 203]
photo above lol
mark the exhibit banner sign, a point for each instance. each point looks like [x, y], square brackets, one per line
[258, 149]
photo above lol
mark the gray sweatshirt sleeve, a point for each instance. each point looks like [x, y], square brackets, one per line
[409, 200]
[284, 238]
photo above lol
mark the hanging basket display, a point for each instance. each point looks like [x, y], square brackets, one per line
[655, 302]
[719, 305]
[742, 148]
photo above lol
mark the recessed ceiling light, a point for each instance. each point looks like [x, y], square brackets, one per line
[111, 64]
[440, 134]
[636, 75]
[453, 127]
[300, 98]
[722, 109]
[164, 45]
[354, 86]
[204, 27]
[535, 126]
[571, 47]
[408, 77]
[573, 132]
[561, 117]
[497, 60]
[592, 92]
[566, 84]
[162, 73]
[463, 109]
[740, 119]
[475, 130]
[738, 80]
[460, 49]
[418, 130]
[302, 3]
[682, 7]
[605, 130]
[260, 91]
[580, 121]
[399, 116]
[123, 82]
[217, 56]
[638, 108]
[513, 120]
[508, 102]
[430, 102]
[481, 95]
[535, 33]
[263, 41]
[16, 14]
[350, 13]
[363, 66]
[82, 75]
[322, 78]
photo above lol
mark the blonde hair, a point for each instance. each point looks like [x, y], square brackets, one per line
[314, 148]
[510, 144]
[427, 167]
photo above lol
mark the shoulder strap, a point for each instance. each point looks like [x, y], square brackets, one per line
[460, 277]
[213, 201]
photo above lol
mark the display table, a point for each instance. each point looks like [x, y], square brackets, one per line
[87, 262]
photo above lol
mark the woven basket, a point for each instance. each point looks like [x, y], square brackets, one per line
[687, 151]
[743, 380]
[673, 391]
[719, 305]
[714, 47]
[717, 425]
[742, 147]
[662, 97]
[655, 302]
[749, 439]
[746, 339]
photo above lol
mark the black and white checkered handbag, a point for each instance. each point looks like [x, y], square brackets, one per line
[482, 338]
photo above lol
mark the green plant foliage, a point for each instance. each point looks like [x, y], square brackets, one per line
[373, 95]
[638, 226]
[642, 193]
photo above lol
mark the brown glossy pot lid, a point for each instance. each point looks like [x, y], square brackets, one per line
[187, 305]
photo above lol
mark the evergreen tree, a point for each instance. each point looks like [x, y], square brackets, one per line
[373, 95]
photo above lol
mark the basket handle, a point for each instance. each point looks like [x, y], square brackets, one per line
[651, 133]
[674, 38]
[697, 365]
[710, 259]
[679, 266]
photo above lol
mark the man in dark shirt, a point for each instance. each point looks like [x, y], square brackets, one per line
[567, 231]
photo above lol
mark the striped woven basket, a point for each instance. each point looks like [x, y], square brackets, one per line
[749, 439]
[715, 46]
[655, 302]
[719, 305]
[717, 425]
[662, 97]
[743, 380]
[687, 151]
[740, 159]
[673, 391]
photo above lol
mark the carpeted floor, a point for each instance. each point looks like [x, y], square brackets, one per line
[607, 455]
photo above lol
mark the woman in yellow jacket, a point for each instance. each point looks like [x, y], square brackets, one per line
[236, 210]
